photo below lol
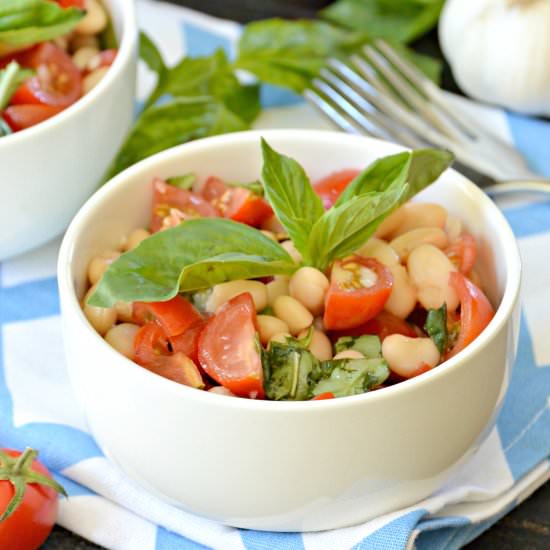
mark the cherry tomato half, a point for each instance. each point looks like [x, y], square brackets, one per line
[20, 117]
[236, 203]
[173, 316]
[475, 311]
[228, 351]
[359, 288]
[57, 82]
[463, 252]
[31, 522]
[168, 197]
[332, 186]
[152, 353]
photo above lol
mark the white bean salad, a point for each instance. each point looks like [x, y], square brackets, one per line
[234, 289]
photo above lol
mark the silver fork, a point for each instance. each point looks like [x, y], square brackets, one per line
[380, 94]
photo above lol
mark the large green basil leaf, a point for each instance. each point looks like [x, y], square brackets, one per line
[290, 194]
[291, 53]
[173, 123]
[26, 22]
[344, 228]
[193, 255]
[149, 53]
[399, 20]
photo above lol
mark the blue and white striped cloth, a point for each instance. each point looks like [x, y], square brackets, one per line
[38, 408]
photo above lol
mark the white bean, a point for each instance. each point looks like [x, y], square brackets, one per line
[135, 237]
[82, 56]
[403, 294]
[429, 270]
[280, 337]
[269, 326]
[309, 286]
[421, 214]
[225, 291]
[407, 242]
[293, 313]
[101, 318]
[389, 226]
[124, 311]
[79, 40]
[95, 19]
[291, 249]
[406, 356]
[269, 234]
[453, 228]
[99, 264]
[277, 287]
[122, 337]
[379, 250]
[349, 354]
[91, 80]
[320, 346]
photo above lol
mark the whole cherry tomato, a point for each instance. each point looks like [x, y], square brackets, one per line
[28, 500]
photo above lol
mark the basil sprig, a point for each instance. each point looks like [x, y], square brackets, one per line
[193, 255]
[203, 252]
[26, 22]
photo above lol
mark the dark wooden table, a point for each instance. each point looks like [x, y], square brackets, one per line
[525, 528]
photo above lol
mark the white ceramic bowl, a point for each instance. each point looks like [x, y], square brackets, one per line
[49, 170]
[286, 465]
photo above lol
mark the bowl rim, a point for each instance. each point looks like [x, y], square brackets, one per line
[70, 301]
[127, 41]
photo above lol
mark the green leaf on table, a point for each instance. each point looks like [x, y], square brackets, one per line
[344, 228]
[149, 53]
[196, 254]
[10, 79]
[291, 53]
[290, 194]
[436, 327]
[173, 123]
[26, 22]
[399, 20]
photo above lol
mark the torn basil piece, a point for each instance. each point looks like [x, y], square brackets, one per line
[369, 345]
[436, 327]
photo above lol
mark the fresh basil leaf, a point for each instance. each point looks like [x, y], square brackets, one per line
[345, 228]
[436, 327]
[178, 121]
[400, 20]
[10, 79]
[291, 196]
[291, 53]
[149, 53]
[352, 376]
[377, 176]
[26, 22]
[186, 181]
[196, 254]
[426, 166]
[368, 344]
[287, 369]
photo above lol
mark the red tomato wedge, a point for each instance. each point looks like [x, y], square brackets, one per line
[173, 316]
[168, 197]
[236, 203]
[463, 252]
[20, 117]
[57, 82]
[188, 342]
[332, 186]
[475, 311]
[322, 396]
[359, 288]
[384, 324]
[227, 348]
[152, 353]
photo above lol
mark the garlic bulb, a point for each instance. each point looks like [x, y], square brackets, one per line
[499, 51]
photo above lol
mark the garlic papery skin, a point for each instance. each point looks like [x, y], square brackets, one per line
[499, 51]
